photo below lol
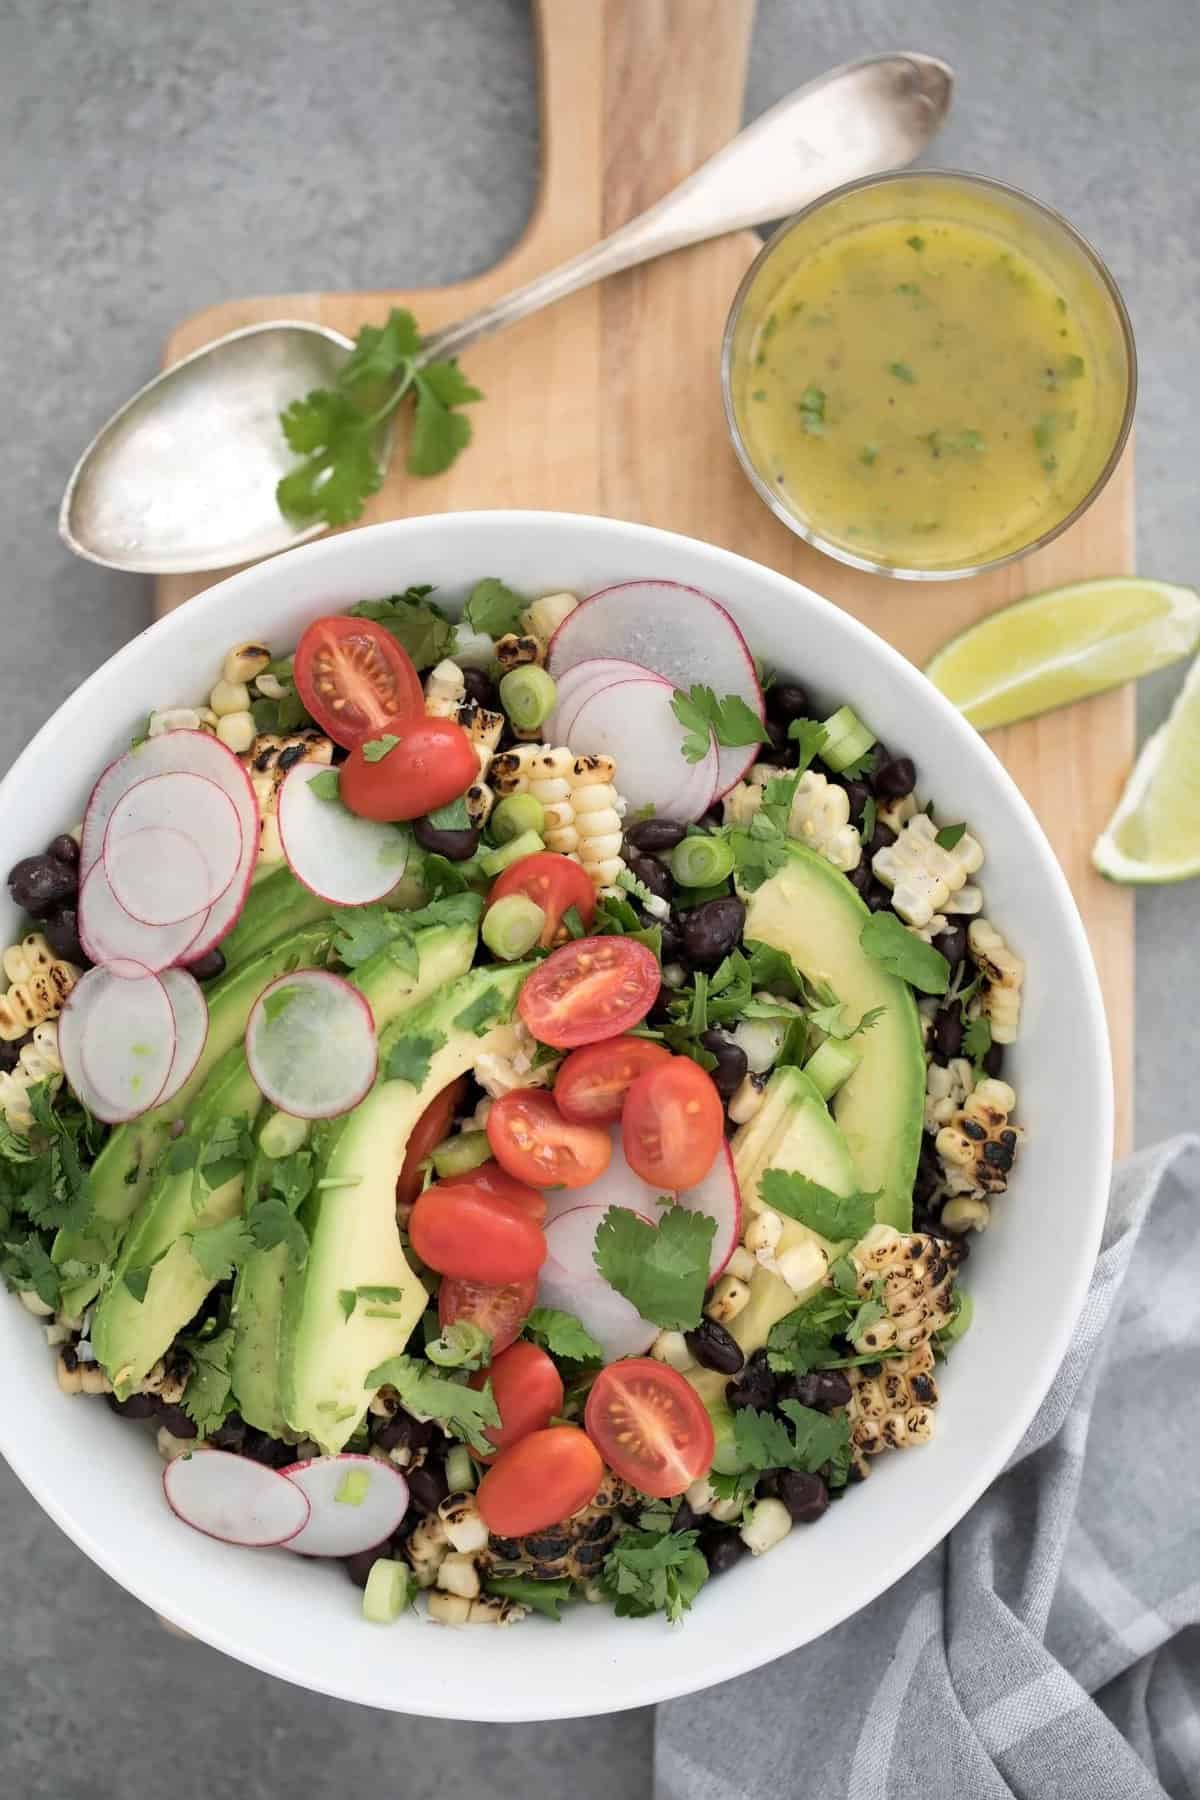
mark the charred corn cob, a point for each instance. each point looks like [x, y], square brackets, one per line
[38, 1061]
[266, 760]
[245, 662]
[978, 1145]
[946, 1090]
[921, 874]
[819, 815]
[40, 981]
[1003, 977]
[489, 1609]
[582, 807]
[426, 1549]
[891, 1402]
[514, 650]
[445, 690]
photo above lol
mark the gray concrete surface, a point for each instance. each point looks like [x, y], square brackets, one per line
[155, 157]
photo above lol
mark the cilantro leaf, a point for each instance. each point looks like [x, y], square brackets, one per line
[548, 1597]
[661, 1269]
[831, 1215]
[816, 1438]
[375, 749]
[949, 836]
[326, 785]
[419, 626]
[651, 1571]
[480, 1013]
[562, 1335]
[977, 1041]
[27, 1266]
[363, 931]
[271, 1222]
[381, 351]
[494, 608]
[731, 721]
[888, 942]
[207, 1398]
[341, 474]
[439, 433]
[803, 1339]
[464, 1412]
[829, 1020]
[809, 736]
[409, 1057]
[219, 1249]
[223, 1155]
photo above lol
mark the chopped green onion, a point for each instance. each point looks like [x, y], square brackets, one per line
[846, 739]
[515, 815]
[831, 1066]
[387, 1592]
[528, 695]
[352, 1490]
[494, 862]
[700, 862]
[458, 1155]
[460, 1470]
[512, 926]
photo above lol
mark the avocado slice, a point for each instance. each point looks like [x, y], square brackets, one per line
[351, 1219]
[444, 953]
[124, 1169]
[277, 906]
[811, 911]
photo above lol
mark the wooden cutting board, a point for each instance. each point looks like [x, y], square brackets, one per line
[610, 402]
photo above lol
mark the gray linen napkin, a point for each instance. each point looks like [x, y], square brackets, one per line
[1050, 1646]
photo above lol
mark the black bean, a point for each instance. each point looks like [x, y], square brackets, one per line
[756, 1387]
[40, 883]
[767, 1486]
[805, 1496]
[10, 1053]
[651, 873]
[481, 689]
[427, 1486]
[712, 930]
[660, 1012]
[948, 1033]
[731, 1062]
[822, 1389]
[64, 849]
[786, 701]
[401, 1431]
[721, 1549]
[359, 1566]
[952, 943]
[208, 966]
[929, 1170]
[895, 777]
[175, 1420]
[685, 1519]
[138, 1406]
[993, 1062]
[861, 878]
[881, 838]
[776, 744]
[672, 943]
[456, 845]
[230, 1433]
[273, 1453]
[858, 793]
[653, 835]
[62, 934]
[878, 897]
[714, 1348]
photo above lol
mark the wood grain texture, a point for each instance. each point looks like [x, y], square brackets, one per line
[610, 403]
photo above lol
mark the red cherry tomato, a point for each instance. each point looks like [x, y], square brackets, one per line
[542, 1480]
[554, 883]
[650, 1426]
[673, 1124]
[494, 1180]
[476, 1236]
[430, 764]
[592, 1083]
[499, 1312]
[531, 1139]
[425, 1136]
[353, 677]
[590, 989]
[528, 1391]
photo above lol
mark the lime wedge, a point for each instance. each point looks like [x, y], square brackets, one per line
[1065, 645]
[1154, 835]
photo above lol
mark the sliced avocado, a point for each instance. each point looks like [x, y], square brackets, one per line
[811, 911]
[129, 1335]
[792, 1130]
[124, 1169]
[276, 906]
[444, 953]
[351, 1216]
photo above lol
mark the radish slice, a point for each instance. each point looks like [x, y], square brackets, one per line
[677, 632]
[110, 934]
[570, 1280]
[717, 1197]
[589, 677]
[172, 847]
[344, 859]
[633, 722]
[116, 1038]
[311, 1046]
[355, 1502]
[565, 720]
[171, 753]
[234, 1499]
[191, 1027]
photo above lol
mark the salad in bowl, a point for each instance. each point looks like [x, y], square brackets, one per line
[499, 1085]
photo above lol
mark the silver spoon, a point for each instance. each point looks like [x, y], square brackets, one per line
[183, 477]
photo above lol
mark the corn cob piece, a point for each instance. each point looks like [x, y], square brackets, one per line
[1003, 977]
[946, 1091]
[267, 760]
[583, 809]
[38, 1061]
[445, 690]
[977, 1147]
[921, 874]
[819, 815]
[40, 981]
[515, 651]
[489, 1609]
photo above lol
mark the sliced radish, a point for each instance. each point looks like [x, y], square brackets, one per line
[588, 677]
[191, 1027]
[172, 846]
[111, 934]
[116, 1038]
[570, 1280]
[344, 859]
[355, 1502]
[311, 1045]
[171, 753]
[717, 1197]
[677, 632]
[234, 1499]
[567, 716]
[633, 721]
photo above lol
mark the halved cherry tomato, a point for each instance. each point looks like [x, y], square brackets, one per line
[673, 1124]
[428, 1132]
[353, 677]
[494, 1180]
[591, 989]
[542, 1480]
[430, 763]
[592, 1083]
[554, 883]
[528, 1391]
[650, 1426]
[500, 1312]
[531, 1139]
[476, 1236]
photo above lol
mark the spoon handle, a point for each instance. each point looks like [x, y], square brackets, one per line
[860, 119]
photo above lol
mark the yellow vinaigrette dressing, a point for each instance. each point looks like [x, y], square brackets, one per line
[922, 393]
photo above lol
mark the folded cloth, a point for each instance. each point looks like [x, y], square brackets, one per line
[1048, 1648]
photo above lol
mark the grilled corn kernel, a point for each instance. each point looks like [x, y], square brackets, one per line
[489, 1609]
[921, 873]
[820, 818]
[764, 1232]
[445, 690]
[426, 1548]
[670, 1347]
[767, 1524]
[542, 618]
[245, 662]
[229, 697]
[1003, 977]
[966, 1213]
[728, 1299]
[236, 731]
[742, 1264]
[39, 989]
[457, 1574]
[747, 1098]
[463, 1523]
[803, 1266]
[175, 718]
[270, 686]
[701, 1496]
[977, 1148]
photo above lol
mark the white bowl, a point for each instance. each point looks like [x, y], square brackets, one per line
[99, 1478]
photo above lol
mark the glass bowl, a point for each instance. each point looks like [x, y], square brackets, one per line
[949, 213]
